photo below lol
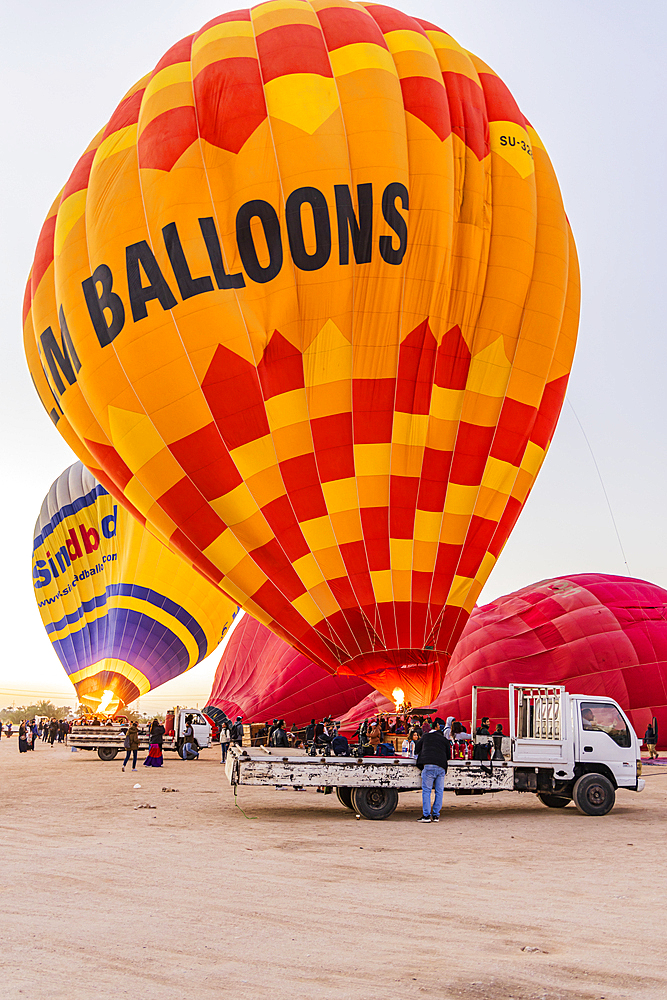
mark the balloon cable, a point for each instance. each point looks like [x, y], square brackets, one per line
[645, 620]
[239, 807]
[606, 496]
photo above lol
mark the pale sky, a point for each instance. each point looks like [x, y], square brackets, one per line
[589, 75]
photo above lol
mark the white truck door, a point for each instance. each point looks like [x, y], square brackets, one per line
[605, 736]
[202, 729]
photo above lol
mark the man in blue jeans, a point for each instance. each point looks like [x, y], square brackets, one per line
[433, 751]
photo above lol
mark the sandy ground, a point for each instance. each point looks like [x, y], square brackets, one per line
[300, 901]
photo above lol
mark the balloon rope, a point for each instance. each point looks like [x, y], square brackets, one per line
[597, 469]
[239, 807]
[613, 519]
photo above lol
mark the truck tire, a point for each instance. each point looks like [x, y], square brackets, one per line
[344, 796]
[553, 801]
[594, 795]
[107, 753]
[374, 803]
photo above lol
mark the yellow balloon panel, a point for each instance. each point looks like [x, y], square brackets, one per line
[309, 304]
[123, 612]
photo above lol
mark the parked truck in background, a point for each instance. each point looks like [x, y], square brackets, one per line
[109, 739]
[561, 747]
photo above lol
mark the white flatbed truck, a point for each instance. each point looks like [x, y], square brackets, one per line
[109, 740]
[561, 747]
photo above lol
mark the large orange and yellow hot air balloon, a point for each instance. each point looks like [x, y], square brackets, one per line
[308, 304]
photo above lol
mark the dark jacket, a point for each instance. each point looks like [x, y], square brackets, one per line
[340, 746]
[237, 733]
[279, 738]
[433, 748]
[157, 735]
[649, 736]
[133, 737]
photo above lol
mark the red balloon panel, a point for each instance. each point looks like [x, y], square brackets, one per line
[261, 677]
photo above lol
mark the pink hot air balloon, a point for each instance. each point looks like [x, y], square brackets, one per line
[261, 677]
[596, 634]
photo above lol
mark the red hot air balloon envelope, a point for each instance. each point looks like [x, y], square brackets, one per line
[262, 677]
[595, 634]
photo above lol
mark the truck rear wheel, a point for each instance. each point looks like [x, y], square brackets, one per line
[374, 803]
[107, 753]
[553, 801]
[594, 795]
[344, 796]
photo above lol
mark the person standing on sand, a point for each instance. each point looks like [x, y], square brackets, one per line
[9, 730]
[225, 739]
[651, 740]
[433, 752]
[23, 737]
[131, 745]
[53, 729]
[154, 758]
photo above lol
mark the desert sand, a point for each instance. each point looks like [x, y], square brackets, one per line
[298, 899]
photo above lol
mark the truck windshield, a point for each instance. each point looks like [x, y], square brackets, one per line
[599, 717]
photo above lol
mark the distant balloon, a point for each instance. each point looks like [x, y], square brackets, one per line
[264, 678]
[308, 304]
[123, 612]
[596, 634]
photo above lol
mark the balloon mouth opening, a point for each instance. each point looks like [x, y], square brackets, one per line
[408, 677]
[106, 693]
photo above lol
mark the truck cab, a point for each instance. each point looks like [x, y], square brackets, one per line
[602, 732]
[583, 746]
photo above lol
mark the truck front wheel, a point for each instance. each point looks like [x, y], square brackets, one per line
[594, 795]
[374, 803]
[553, 801]
[107, 753]
[345, 796]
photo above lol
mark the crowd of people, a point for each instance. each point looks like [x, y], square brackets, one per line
[30, 731]
[382, 735]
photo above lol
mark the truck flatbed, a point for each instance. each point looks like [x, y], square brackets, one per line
[259, 766]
